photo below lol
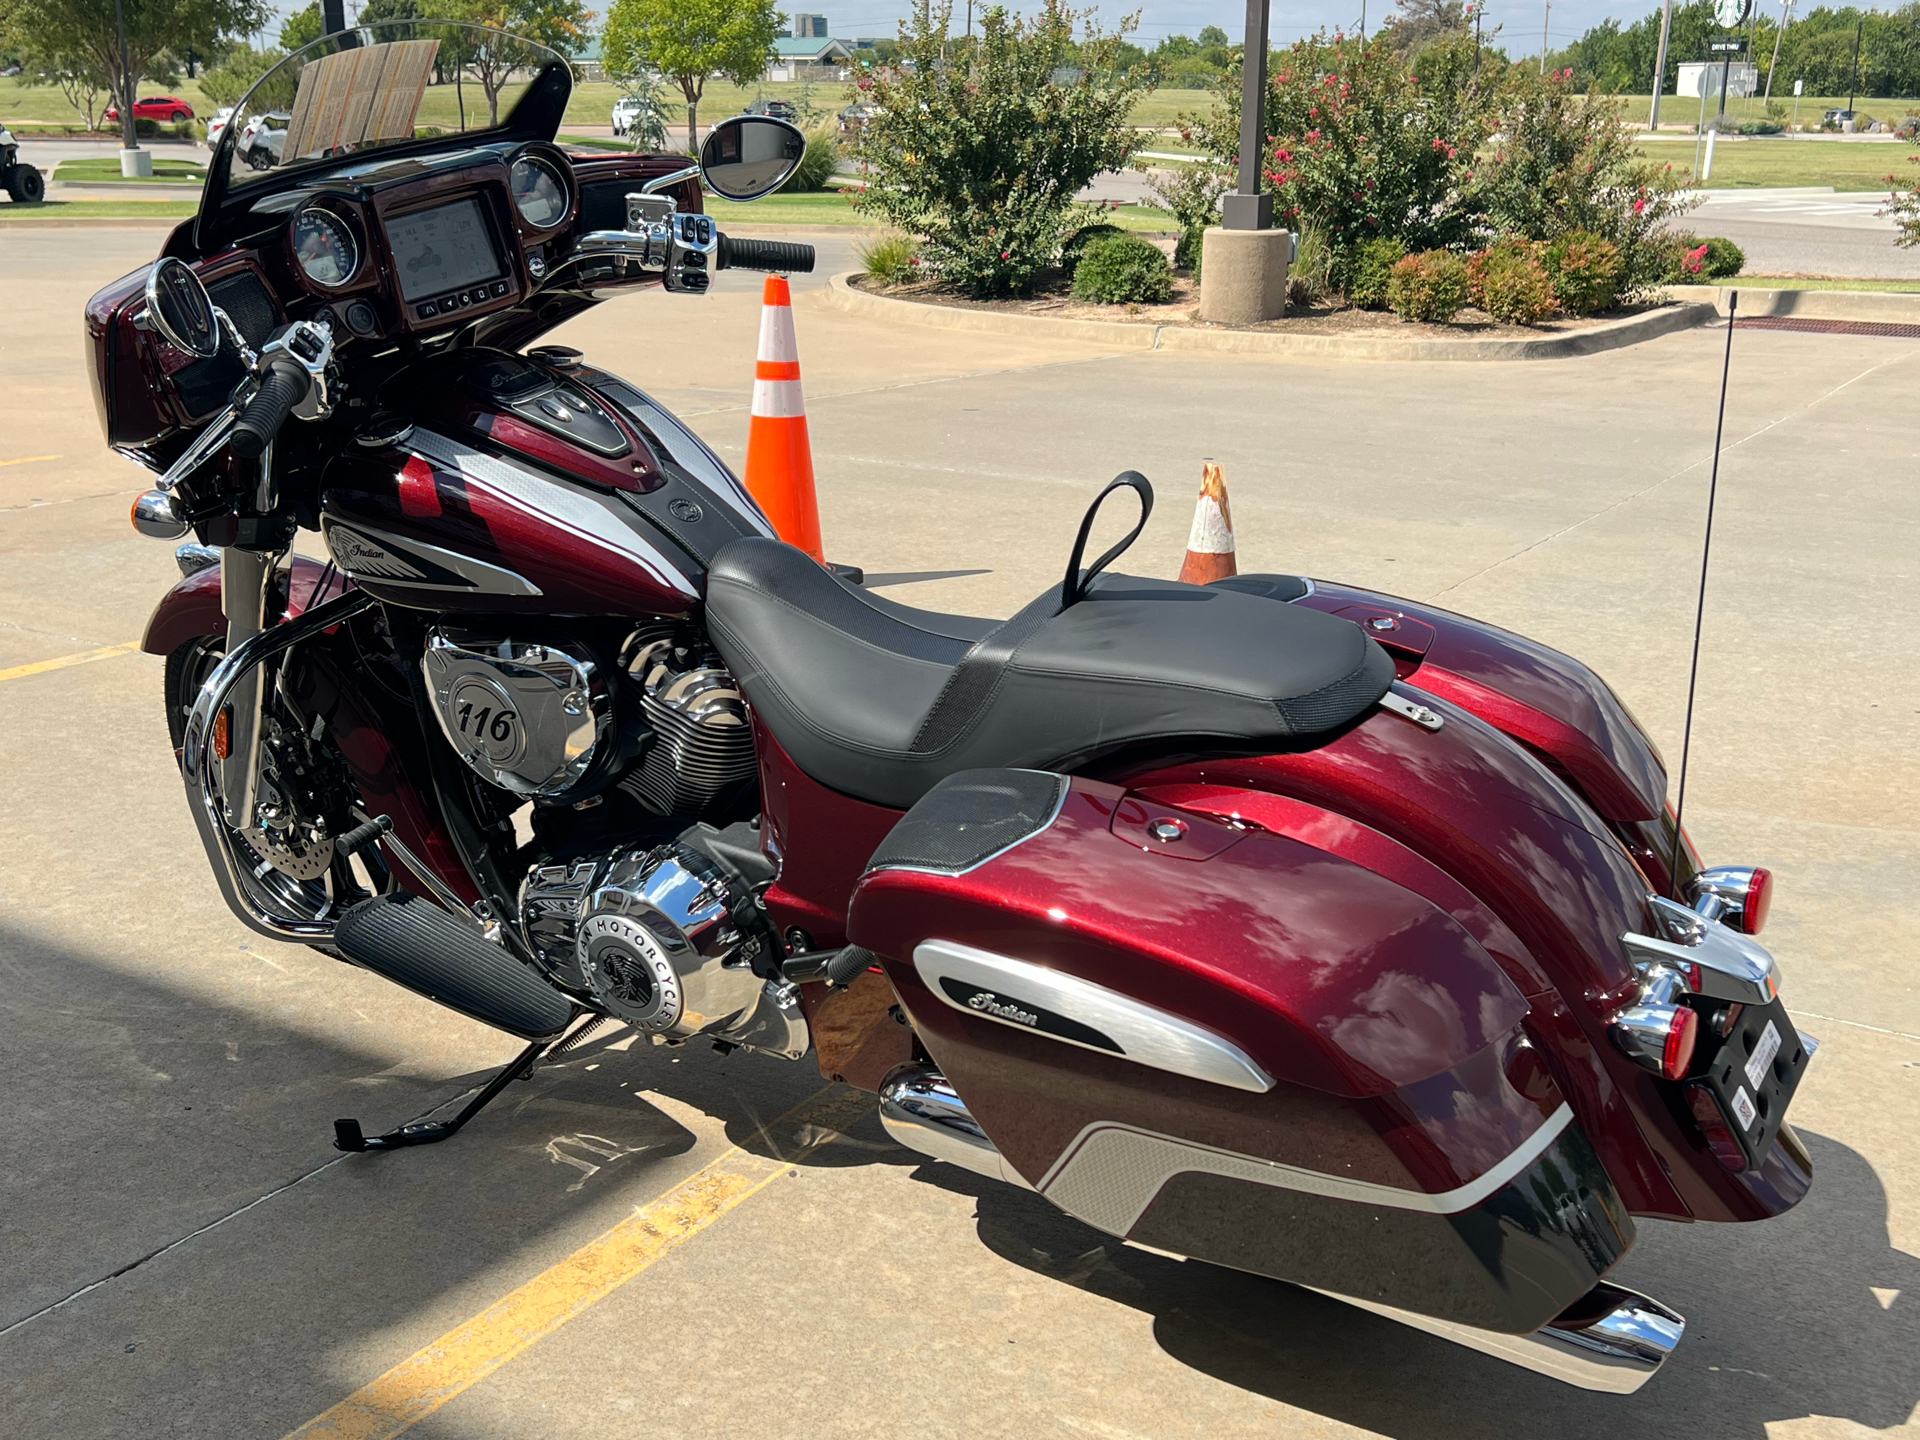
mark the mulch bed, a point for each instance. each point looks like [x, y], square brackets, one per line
[1052, 297]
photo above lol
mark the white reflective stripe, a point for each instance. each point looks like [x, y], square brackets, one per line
[777, 399]
[1110, 1173]
[777, 340]
[1210, 535]
[1144, 1033]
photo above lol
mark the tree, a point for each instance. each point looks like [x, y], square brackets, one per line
[984, 157]
[1418, 22]
[234, 76]
[689, 40]
[495, 58]
[1212, 35]
[56, 36]
[301, 28]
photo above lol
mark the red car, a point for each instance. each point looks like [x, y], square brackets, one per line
[155, 107]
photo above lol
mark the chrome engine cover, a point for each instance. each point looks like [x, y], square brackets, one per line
[652, 937]
[702, 740]
[527, 716]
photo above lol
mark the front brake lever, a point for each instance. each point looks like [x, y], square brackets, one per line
[196, 454]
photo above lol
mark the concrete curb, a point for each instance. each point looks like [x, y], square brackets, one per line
[1886, 306]
[1122, 335]
[88, 222]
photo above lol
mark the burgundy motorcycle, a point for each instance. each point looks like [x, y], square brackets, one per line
[1277, 923]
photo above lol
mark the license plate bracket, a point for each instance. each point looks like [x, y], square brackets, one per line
[1753, 1075]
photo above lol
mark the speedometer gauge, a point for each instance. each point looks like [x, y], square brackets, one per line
[325, 247]
[538, 193]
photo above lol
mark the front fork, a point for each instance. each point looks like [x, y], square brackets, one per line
[245, 576]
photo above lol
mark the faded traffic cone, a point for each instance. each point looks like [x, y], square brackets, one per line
[779, 457]
[1210, 542]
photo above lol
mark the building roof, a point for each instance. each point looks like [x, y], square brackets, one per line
[819, 49]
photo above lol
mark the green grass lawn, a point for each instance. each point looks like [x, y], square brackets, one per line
[1684, 110]
[1767, 160]
[107, 169]
[54, 211]
[1801, 282]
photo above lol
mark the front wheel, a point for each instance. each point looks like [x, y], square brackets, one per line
[27, 185]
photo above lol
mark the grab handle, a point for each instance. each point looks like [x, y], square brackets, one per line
[1077, 583]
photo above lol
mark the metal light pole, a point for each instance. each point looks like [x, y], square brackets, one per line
[1546, 14]
[333, 16]
[1249, 207]
[1786, 19]
[1853, 85]
[1660, 64]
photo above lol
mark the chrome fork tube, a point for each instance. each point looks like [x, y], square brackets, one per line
[244, 577]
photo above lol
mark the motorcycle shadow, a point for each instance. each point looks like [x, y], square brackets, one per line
[1815, 1314]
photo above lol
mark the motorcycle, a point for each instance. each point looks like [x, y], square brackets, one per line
[1275, 922]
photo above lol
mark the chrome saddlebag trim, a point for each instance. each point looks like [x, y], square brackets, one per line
[229, 868]
[1612, 1339]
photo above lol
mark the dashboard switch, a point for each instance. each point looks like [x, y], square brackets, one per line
[449, 304]
[499, 288]
[426, 311]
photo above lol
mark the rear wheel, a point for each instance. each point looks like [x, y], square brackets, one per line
[178, 116]
[27, 185]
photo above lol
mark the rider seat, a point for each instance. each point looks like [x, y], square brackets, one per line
[880, 701]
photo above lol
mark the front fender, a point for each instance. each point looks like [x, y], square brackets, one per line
[192, 607]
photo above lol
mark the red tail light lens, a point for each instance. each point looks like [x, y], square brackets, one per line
[1713, 1125]
[1677, 1055]
[1753, 910]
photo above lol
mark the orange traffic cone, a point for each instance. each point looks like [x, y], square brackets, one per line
[779, 457]
[1210, 542]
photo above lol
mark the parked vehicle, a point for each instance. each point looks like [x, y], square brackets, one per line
[625, 109]
[853, 120]
[23, 183]
[218, 124]
[779, 109]
[1279, 923]
[262, 139]
[154, 107]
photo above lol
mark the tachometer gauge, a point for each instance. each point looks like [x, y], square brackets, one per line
[538, 193]
[325, 247]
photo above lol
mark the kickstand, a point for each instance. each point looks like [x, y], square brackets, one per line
[347, 1134]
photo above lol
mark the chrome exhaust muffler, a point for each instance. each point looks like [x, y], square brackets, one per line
[1611, 1339]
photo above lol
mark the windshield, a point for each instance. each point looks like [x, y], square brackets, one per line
[386, 85]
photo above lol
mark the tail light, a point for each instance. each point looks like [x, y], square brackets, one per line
[1737, 895]
[1713, 1125]
[1657, 1032]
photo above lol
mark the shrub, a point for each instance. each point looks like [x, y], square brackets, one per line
[1359, 146]
[1368, 267]
[1724, 258]
[1903, 205]
[1565, 161]
[1508, 281]
[1192, 193]
[982, 152]
[1430, 286]
[1309, 280]
[1078, 242]
[817, 165]
[1585, 270]
[1121, 270]
[890, 258]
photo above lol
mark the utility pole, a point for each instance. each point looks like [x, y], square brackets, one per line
[1546, 14]
[1363, 22]
[1660, 64]
[1786, 19]
[1853, 85]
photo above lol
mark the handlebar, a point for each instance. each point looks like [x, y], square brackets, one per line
[281, 388]
[786, 256]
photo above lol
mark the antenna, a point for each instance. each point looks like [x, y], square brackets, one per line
[1700, 611]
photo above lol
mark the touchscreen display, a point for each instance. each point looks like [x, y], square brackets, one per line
[442, 249]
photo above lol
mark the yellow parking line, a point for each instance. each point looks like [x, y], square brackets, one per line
[105, 652]
[28, 459]
[474, 1349]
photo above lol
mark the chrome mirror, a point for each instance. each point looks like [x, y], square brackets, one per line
[747, 156]
[179, 307]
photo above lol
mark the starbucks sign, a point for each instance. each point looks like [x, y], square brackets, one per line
[1731, 14]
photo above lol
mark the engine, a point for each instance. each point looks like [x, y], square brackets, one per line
[666, 940]
[545, 719]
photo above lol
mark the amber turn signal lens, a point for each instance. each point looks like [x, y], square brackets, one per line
[222, 742]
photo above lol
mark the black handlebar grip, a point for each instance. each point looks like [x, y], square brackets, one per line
[786, 256]
[283, 387]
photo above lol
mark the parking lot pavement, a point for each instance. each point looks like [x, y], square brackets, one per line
[1808, 231]
[646, 1241]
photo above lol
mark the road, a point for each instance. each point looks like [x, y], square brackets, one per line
[184, 1256]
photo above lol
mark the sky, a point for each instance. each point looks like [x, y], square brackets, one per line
[1521, 20]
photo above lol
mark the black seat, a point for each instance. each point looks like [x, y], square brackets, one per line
[880, 701]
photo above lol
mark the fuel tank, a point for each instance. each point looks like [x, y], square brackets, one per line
[488, 481]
